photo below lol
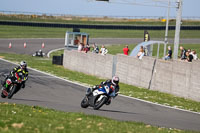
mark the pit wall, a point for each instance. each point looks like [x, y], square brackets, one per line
[174, 77]
[89, 63]
[178, 78]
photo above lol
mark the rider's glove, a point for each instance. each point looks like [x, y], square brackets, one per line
[23, 85]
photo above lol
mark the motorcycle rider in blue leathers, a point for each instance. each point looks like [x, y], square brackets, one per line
[113, 85]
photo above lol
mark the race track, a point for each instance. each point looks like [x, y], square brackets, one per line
[48, 91]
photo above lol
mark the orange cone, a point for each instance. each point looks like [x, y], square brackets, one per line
[24, 45]
[43, 45]
[10, 45]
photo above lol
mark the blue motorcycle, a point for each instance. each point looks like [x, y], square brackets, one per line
[96, 98]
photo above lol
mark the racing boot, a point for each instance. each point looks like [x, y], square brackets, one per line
[108, 102]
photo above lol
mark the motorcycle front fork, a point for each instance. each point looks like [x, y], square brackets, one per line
[4, 87]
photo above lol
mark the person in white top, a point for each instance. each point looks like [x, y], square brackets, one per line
[103, 50]
[194, 55]
[80, 47]
[140, 53]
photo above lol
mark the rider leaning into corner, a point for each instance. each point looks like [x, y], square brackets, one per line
[21, 68]
[113, 84]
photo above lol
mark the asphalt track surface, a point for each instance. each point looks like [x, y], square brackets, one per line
[48, 91]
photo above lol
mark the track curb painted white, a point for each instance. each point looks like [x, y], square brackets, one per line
[48, 54]
[73, 82]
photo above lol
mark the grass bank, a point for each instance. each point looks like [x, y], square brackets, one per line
[141, 93]
[33, 119]
[42, 32]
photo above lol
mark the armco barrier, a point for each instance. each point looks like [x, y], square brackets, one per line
[84, 26]
[174, 77]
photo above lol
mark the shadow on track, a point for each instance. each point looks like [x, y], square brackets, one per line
[114, 111]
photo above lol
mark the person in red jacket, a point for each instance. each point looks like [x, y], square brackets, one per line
[126, 50]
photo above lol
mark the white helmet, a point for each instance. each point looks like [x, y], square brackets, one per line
[23, 64]
[115, 80]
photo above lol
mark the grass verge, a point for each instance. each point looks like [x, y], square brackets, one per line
[33, 119]
[128, 90]
[42, 32]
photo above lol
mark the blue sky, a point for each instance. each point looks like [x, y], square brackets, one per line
[89, 7]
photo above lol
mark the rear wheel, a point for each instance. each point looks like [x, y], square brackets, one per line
[85, 102]
[99, 104]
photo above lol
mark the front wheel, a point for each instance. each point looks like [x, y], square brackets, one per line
[2, 95]
[12, 91]
[99, 104]
[85, 102]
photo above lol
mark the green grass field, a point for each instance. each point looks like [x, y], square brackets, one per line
[41, 32]
[33, 119]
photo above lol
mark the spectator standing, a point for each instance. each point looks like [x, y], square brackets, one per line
[169, 55]
[183, 53]
[95, 49]
[126, 50]
[140, 53]
[103, 50]
[146, 36]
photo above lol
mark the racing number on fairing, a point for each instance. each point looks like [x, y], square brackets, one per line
[107, 89]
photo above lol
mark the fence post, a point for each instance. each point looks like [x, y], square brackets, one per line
[114, 66]
[158, 50]
[150, 82]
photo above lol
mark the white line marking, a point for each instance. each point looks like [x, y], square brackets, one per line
[40, 76]
[119, 94]
[48, 55]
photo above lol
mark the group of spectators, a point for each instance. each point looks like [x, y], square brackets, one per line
[140, 54]
[188, 55]
[102, 51]
[83, 48]
[95, 49]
